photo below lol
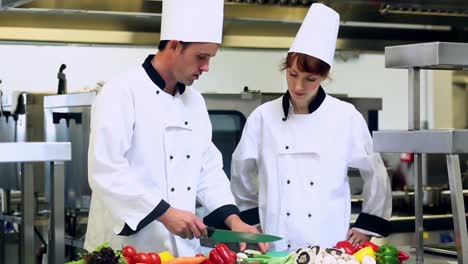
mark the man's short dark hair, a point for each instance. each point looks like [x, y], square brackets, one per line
[163, 43]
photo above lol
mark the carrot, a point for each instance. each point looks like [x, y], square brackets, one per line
[187, 260]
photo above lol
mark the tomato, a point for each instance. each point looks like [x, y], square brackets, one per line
[154, 258]
[129, 260]
[129, 251]
[141, 258]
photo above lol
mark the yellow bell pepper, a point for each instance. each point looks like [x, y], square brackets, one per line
[165, 256]
[367, 251]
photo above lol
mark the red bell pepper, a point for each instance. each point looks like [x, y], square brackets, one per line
[346, 246]
[225, 253]
[359, 247]
[221, 254]
[234, 255]
[372, 245]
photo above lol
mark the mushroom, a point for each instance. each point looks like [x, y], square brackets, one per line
[315, 249]
[334, 251]
[241, 256]
[303, 257]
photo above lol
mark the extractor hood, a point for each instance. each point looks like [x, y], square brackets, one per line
[365, 24]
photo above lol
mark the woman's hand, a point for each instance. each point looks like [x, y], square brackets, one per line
[236, 224]
[356, 238]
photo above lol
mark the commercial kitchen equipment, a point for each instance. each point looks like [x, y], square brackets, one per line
[21, 120]
[27, 154]
[414, 58]
[67, 119]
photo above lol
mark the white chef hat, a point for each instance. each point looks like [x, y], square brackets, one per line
[192, 20]
[318, 33]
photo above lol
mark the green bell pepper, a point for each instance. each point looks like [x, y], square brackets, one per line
[387, 255]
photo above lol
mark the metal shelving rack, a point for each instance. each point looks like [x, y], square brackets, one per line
[429, 56]
[27, 154]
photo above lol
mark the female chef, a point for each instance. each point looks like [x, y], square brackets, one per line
[289, 171]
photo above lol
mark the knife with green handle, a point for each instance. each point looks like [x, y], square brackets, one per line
[226, 236]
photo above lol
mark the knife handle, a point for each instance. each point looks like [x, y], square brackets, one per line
[210, 230]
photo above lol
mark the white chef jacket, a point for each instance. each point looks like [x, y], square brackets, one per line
[150, 150]
[292, 170]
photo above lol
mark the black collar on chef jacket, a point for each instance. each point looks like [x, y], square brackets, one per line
[313, 106]
[156, 77]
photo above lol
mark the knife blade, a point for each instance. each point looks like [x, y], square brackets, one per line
[226, 236]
